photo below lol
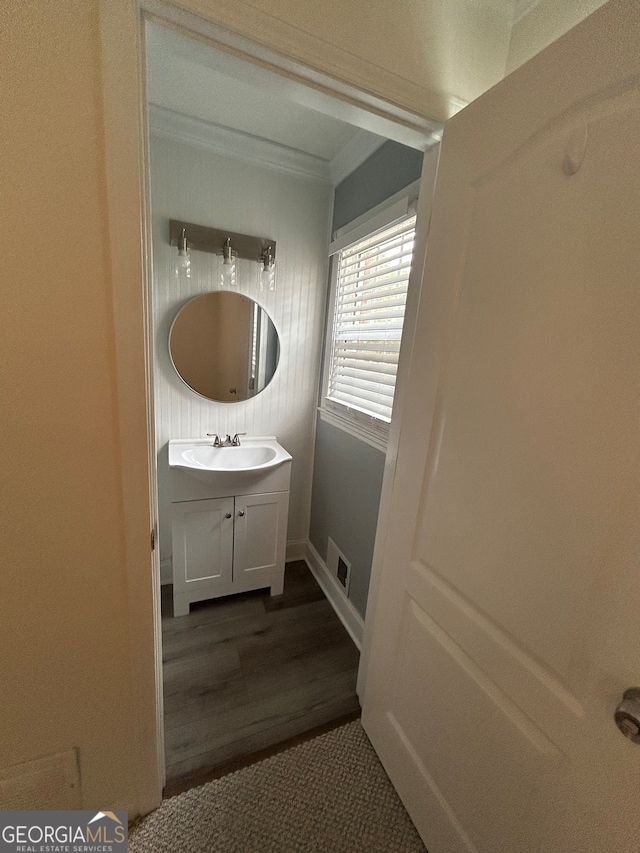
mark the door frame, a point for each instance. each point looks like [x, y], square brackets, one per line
[397, 110]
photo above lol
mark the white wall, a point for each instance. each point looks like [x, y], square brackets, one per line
[542, 24]
[209, 189]
[65, 662]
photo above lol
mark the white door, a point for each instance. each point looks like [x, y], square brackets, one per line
[507, 622]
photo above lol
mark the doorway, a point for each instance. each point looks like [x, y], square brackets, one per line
[233, 148]
[342, 100]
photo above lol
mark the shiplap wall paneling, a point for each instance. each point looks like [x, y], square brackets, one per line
[198, 186]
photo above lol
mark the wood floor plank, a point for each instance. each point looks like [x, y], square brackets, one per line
[250, 629]
[320, 662]
[262, 738]
[203, 687]
[201, 705]
[223, 662]
[239, 722]
[247, 672]
[201, 777]
[281, 641]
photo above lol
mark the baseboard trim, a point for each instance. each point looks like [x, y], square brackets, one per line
[348, 615]
[296, 550]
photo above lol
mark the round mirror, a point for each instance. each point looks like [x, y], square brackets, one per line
[224, 346]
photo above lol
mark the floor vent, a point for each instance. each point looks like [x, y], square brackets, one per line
[338, 566]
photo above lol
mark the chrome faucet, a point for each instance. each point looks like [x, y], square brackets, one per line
[228, 441]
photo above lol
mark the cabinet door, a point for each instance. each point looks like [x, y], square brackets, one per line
[202, 547]
[260, 536]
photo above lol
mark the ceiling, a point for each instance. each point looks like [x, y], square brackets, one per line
[212, 98]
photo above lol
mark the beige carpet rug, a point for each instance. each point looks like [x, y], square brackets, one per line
[327, 795]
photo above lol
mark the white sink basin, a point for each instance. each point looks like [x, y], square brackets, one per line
[254, 454]
[229, 458]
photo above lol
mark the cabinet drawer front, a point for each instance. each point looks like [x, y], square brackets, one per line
[260, 533]
[202, 543]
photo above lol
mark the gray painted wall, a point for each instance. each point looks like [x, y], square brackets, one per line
[347, 479]
[389, 169]
[347, 475]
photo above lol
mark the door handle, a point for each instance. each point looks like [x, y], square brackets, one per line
[627, 714]
[241, 513]
[228, 515]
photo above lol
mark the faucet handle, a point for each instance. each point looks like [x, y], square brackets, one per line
[216, 439]
[236, 439]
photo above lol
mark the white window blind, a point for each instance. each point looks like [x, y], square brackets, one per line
[371, 292]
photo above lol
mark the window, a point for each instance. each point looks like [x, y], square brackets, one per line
[370, 290]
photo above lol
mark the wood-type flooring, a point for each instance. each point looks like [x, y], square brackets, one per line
[249, 671]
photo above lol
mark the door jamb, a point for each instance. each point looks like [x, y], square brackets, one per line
[121, 35]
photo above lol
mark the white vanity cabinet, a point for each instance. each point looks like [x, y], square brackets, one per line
[228, 543]
[202, 550]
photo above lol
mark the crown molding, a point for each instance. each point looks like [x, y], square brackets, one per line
[358, 149]
[218, 139]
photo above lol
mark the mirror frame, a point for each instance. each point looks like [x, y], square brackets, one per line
[262, 312]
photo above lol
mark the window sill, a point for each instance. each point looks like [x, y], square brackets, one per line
[372, 437]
